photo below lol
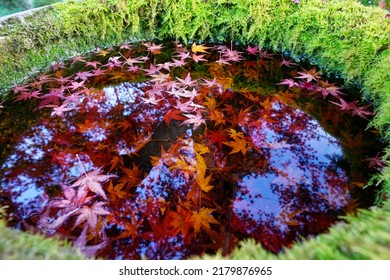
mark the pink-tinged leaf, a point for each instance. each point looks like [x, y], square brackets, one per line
[46, 225]
[296, 1]
[183, 55]
[287, 63]
[54, 97]
[71, 199]
[131, 61]
[196, 120]
[77, 59]
[92, 181]
[184, 107]
[63, 80]
[309, 86]
[254, 50]
[83, 75]
[178, 63]
[93, 64]
[28, 95]
[326, 88]
[289, 82]
[153, 70]
[153, 48]
[309, 75]
[376, 162]
[99, 72]
[344, 105]
[20, 89]
[76, 85]
[152, 99]
[222, 61]
[134, 69]
[88, 250]
[362, 111]
[59, 110]
[90, 214]
[187, 81]
[232, 55]
[266, 54]
[160, 78]
[210, 84]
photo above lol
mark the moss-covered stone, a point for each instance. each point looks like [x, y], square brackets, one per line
[343, 37]
[20, 245]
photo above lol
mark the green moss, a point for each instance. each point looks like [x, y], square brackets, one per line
[342, 37]
[20, 245]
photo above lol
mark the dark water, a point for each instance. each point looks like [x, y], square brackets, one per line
[136, 152]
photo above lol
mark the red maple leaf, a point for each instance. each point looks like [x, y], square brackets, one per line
[173, 115]
[216, 137]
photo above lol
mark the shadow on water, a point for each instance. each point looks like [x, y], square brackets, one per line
[134, 154]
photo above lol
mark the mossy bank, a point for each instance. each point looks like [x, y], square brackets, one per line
[342, 37]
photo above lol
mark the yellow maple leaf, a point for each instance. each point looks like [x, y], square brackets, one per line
[234, 134]
[200, 164]
[210, 103]
[238, 145]
[201, 149]
[202, 219]
[199, 48]
[203, 182]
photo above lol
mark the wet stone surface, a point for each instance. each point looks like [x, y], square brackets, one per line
[167, 151]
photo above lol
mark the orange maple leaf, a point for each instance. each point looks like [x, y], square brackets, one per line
[130, 228]
[179, 221]
[217, 116]
[202, 219]
[210, 103]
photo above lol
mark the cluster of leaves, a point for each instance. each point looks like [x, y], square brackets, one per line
[310, 81]
[168, 149]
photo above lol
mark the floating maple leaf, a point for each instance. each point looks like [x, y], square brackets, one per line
[376, 162]
[343, 105]
[202, 219]
[216, 137]
[309, 75]
[199, 48]
[198, 58]
[88, 250]
[238, 145]
[71, 200]
[153, 48]
[196, 120]
[90, 214]
[204, 182]
[252, 50]
[179, 221]
[362, 111]
[173, 115]
[92, 181]
[289, 82]
[187, 81]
